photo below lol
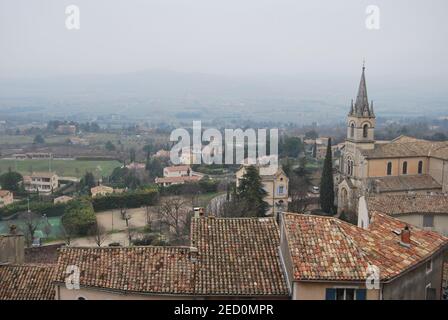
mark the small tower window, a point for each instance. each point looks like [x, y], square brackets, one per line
[405, 167]
[389, 168]
[365, 130]
[352, 130]
[420, 167]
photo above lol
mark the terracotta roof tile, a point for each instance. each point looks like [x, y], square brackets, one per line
[157, 270]
[408, 147]
[405, 204]
[404, 183]
[26, 282]
[238, 256]
[326, 248]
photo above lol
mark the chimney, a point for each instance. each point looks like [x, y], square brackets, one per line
[406, 236]
[198, 212]
[12, 247]
[193, 254]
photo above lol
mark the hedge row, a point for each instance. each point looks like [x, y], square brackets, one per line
[125, 200]
[203, 186]
[47, 208]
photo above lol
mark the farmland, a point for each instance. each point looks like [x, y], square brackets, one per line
[70, 168]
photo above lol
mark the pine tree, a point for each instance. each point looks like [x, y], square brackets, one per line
[251, 193]
[326, 183]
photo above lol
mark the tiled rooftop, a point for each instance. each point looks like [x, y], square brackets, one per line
[404, 183]
[326, 248]
[26, 282]
[408, 147]
[238, 256]
[157, 270]
[403, 204]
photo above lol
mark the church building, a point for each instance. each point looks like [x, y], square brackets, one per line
[404, 165]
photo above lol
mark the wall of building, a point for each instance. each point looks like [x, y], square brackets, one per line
[378, 167]
[62, 293]
[412, 285]
[12, 249]
[317, 290]
[416, 219]
[438, 169]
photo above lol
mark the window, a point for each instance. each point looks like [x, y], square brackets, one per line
[420, 167]
[365, 131]
[429, 266]
[352, 130]
[405, 167]
[389, 168]
[281, 189]
[345, 294]
[350, 164]
[428, 221]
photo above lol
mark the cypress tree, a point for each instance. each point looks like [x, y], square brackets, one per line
[252, 194]
[327, 184]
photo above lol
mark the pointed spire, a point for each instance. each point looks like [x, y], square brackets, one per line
[362, 103]
[351, 109]
[371, 108]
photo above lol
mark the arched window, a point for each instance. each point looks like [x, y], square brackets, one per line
[420, 167]
[350, 167]
[405, 167]
[365, 131]
[352, 130]
[389, 168]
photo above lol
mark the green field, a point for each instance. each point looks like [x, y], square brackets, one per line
[67, 168]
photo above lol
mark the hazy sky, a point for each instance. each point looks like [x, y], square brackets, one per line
[232, 37]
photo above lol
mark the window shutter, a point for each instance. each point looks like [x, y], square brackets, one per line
[361, 294]
[330, 294]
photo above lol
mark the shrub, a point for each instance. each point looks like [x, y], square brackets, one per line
[79, 217]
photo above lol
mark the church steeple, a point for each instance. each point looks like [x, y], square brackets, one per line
[362, 108]
[361, 118]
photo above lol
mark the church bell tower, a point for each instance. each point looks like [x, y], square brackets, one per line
[361, 119]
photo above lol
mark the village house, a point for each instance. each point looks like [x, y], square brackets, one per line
[6, 198]
[178, 175]
[66, 129]
[136, 166]
[162, 154]
[429, 212]
[327, 258]
[403, 165]
[44, 182]
[62, 199]
[275, 183]
[78, 141]
[101, 191]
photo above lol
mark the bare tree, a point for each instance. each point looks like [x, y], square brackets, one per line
[298, 192]
[31, 222]
[98, 234]
[174, 212]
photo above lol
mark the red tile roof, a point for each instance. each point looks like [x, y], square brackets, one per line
[156, 270]
[406, 204]
[177, 168]
[238, 257]
[26, 282]
[326, 248]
